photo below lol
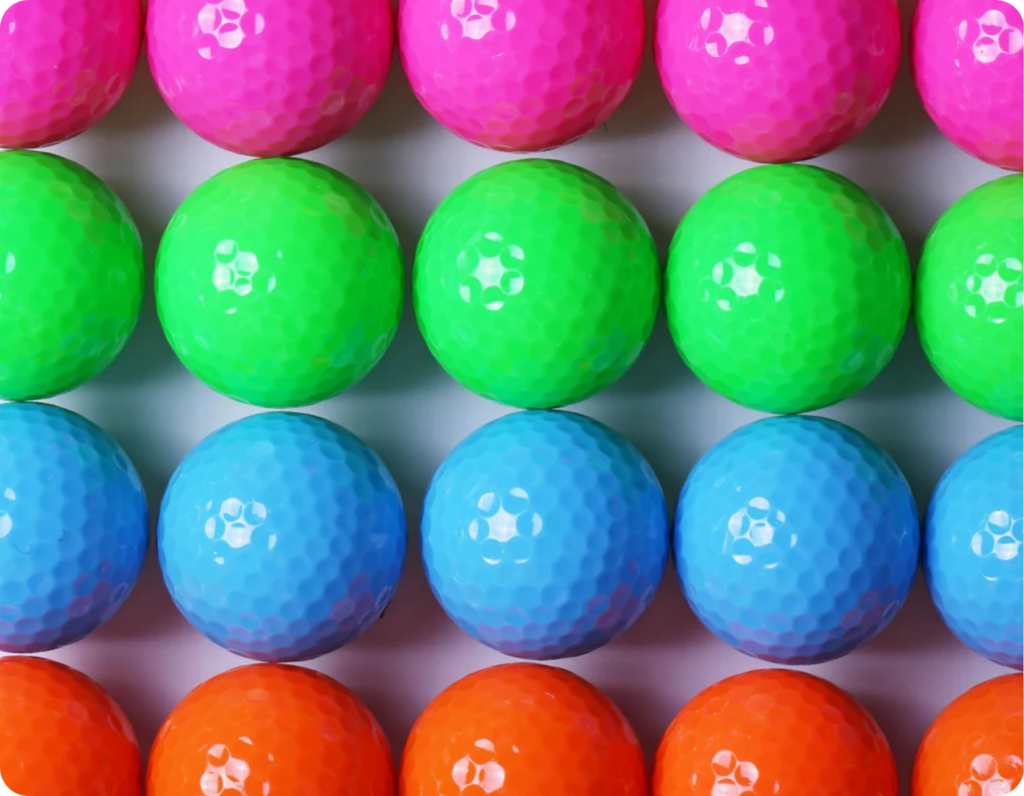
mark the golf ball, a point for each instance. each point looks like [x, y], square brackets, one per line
[974, 747]
[968, 62]
[62, 735]
[74, 527]
[521, 75]
[969, 304]
[281, 537]
[775, 731]
[787, 288]
[522, 729]
[66, 63]
[545, 534]
[279, 282]
[777, 82]
[270, 729]
[270, 77]
[536, 284]
[973, 560]
[71, 275]
[796, 539]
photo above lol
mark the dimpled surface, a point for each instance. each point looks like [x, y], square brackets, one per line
[968, 64]
[521, 75]
[281, 536]
[777, 80]
[787, 288]
[66, 64]
[545, 534]
[973, 538]
[270, 729]
[522, 730]
[279, 282]
[270, 77]
[773, 732]
[796, 539]
[62, 735]
[536, 284]
[71, 275]
[74, 527]
[969, 304]
[976, 745]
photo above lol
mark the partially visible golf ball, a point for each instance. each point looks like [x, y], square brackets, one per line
[787, 288]
[773, 81]
[969, 303]
[536, 284]
[281, 537]
[968, 62]
[521, 75]
[66, 63]
[974, 547]
[796, 539]
[270, 77]
[545, 534]
[74, 527]
[280, 282]
[71, 275]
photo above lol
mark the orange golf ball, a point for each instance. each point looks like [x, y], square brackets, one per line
[774, 731]
[522, 729]
[62, 735]
[270, 729]
[976, 745]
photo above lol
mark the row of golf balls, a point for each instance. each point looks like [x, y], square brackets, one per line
[545, 535]
[515, 730]
[771, 82]
[536, 283]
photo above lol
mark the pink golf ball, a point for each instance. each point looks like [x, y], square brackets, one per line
[521, 75]
[968, 62]
[63, 65]
[270, 77]
[777, 81]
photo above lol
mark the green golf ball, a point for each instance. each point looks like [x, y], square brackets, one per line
[536, 284]
[71, 275]
[279, 282]
[970, 297]
[787, 288]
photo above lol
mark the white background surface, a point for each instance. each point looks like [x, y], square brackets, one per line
[413, 414]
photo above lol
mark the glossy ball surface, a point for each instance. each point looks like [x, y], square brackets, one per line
[974, 534]
[281, 537]
[975, 746]
[270, 729]
[536, 284]
[774, 731]
[521, 75]
[71, 275]
[787, 288]
[969, 302]
[545, 534]
[270, 77]
[280, 282]
[522, 729]
[74, 527]
[66, 64]
[967, 57]
[777, 82]
[62, 735]
[796, 539]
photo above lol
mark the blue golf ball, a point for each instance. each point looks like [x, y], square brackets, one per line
[74, 527]
[796, 539]
[974, 534]
[545, 534]
[281, 537]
